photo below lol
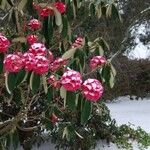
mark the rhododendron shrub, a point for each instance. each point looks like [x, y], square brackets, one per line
[53, 79]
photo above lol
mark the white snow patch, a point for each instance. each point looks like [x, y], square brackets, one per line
[139, 51]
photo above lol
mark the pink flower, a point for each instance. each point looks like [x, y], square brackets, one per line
[38, 49]
[57, 64]
[46, 12]
[34, 24]
[41, 65]
[54, 82]
[97, 61]
[4, 43]
[78, 42]
[13, 63]
[71, 80]
[29, 61]
[92, 90]
[61, 7]
[32, 39]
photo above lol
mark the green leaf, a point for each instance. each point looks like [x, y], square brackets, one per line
[80, 54]
[115, 13]
[103, 45]
[92, 9]
[86, 112]
[48, 29]
[111, 81]
[22, 4]
[99, 10]
[48, 124]
[69, 54]
[112, 76]
[1, 62]
[20, 77]
[34, 82]
[109, 11]
[44, 82]
[71, 100]
[63, 95]
[58, 17]
[106, 73]
[15, 139]
[50, 94]
[64, 32]
[10, 81]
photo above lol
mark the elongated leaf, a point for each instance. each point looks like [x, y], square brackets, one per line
[69, 54]
[20, 77]
[63, 95]
[115, 13]
[49, 94]
[58, 17]
[64, 32]
[81, 56]
[92, 9]
[19, 39]
[10, 81]
[86, 112]
[71, 100]
[22, 4]
[34, 82]
[109, 11]
[99, 10]
[111, 80]
[106, 73]
[44, 82]
[1, 62]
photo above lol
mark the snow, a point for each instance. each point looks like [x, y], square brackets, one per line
[140, 50]
[125, 111]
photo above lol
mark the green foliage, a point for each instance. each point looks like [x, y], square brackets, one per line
[32, 105]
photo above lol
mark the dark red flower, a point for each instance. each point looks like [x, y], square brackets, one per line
[34, 24]
[61, 7]
[32, 39]
[46, 12]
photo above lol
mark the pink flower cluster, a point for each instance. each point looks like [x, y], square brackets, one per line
[54, 82]
[78, 42]
[97, 61]
[71, 80]
[4, 43]
[34, 24]
[32, 39]
[46, 11]
[39, 60]
[57, 64]
[92, 89]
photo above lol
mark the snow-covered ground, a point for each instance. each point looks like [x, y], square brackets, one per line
[125, 111]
